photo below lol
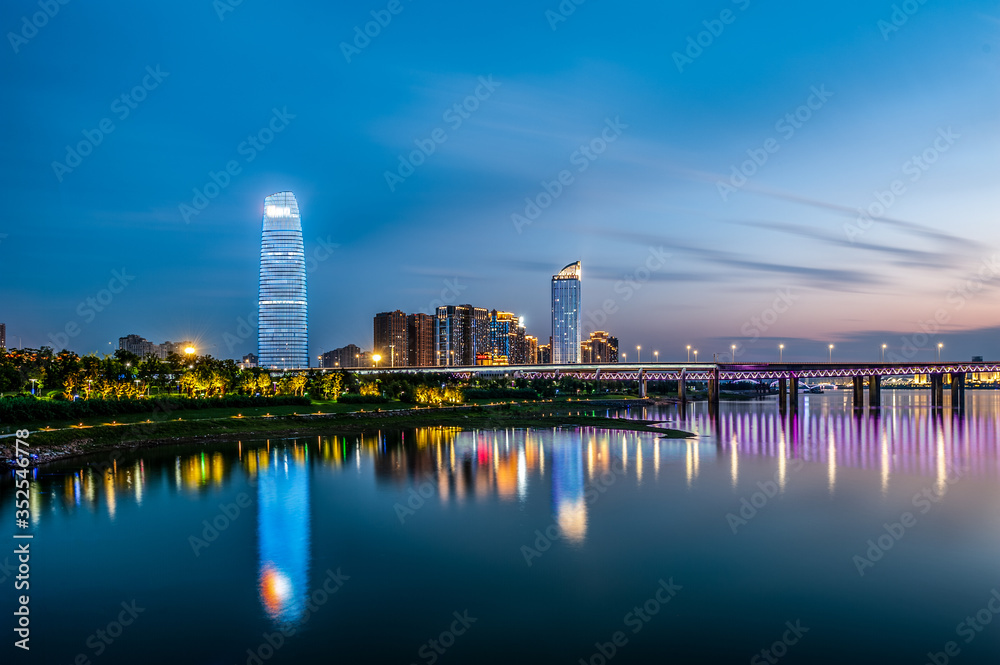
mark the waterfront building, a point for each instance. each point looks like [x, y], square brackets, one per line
[566, 315]
[530, 350]
[420, 337]
[345, 356]
[390, 338]
[282, 304]
[544, 354]
[603, 347]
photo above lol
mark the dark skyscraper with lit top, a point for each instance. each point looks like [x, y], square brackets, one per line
[282, 306]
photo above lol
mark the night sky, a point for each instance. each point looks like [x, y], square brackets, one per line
[715, 200]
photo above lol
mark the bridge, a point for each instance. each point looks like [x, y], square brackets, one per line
[787, 375]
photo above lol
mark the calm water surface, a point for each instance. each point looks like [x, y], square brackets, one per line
[823, 538]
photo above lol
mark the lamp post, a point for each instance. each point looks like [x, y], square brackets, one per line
[733, 347]
[781, 353]
[638, 354]
[624, 357]
[33, 386]
[376, 357]
[696, 356]
[940, 346]
[831, 353]
[689, 353]
[883, 351]
[656, 355]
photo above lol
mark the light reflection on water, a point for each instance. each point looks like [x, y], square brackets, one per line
[501, 488]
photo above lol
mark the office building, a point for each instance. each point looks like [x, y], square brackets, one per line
[390, 339]
[345, 356]
[282, 305]
[566, 315]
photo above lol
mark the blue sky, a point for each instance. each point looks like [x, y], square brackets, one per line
[783, 257]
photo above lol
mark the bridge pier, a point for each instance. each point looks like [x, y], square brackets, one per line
[783, 395]
[937, 390]
[958, 392]
[642, 384]
[875, 392]
[713, 390]
[793, 394]
[859, 392]
[682, 387]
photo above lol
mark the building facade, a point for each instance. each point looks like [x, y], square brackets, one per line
[345, 356]
[566, 315]
[390, 339]
[603, 347]
[420, 337]
[282, 304]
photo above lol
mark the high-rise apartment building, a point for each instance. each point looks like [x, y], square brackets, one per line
[420, 337]
[391, 340]
[282, 305]
[566, 315]
[449, 334]
[603, 347]
[345, 356]
[530, 350]
[137, 345]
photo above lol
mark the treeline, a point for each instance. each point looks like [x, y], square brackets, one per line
[22, 410]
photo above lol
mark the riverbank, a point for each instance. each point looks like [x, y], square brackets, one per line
[51, 445]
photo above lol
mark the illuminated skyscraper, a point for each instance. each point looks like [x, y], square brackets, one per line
[566, 315]
[282, 307]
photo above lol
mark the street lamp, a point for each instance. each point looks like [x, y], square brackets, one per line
[638, 354]
[376, 358]
[884, 346]
[781, 353]
[624, 357]
[656, 355]
[689, 353]
[733, 347]
[831, 353]
[696, 355]
[940, 346]
[33, 386]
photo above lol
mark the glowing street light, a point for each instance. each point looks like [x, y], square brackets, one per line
[376, 358]
[940, 346]
[831, 353]
[638, 354]
[884, 347]
[733, 347]
[689, 353]
[656, 355]
[696, 355]
[781, 353]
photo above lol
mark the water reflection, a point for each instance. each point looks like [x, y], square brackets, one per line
[509, 465]
[283, 529]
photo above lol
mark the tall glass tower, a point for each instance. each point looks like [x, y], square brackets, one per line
[566, 315]
[282, 308]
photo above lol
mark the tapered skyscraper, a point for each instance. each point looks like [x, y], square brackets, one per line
[282, 307]
[566, 315]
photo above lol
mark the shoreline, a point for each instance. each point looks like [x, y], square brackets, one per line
[58, 445]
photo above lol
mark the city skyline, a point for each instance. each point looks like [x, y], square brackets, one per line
[685, 176]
